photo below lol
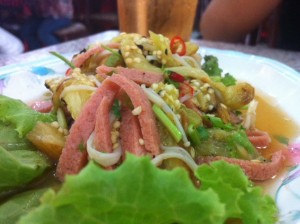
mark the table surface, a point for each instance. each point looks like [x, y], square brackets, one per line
[289, 58]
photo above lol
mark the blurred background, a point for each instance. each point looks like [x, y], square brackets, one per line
[23, 19]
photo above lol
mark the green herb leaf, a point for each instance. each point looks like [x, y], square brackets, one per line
[282, 139]
[228, 80]
[170, 81]
[116, 108]
[211, 66]
[81, 147]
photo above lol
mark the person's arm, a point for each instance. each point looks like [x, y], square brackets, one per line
[9, 44]
[231, 20]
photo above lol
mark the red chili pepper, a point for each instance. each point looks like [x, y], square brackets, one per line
[177, 43]
[176, 77]
[69, 71]
[185, 89]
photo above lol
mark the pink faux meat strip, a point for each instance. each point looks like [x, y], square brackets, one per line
[102, 140]
[146, 117]
[130, 132]
[136, 75]
[104, 70]
[42, 106]
[72, 159]
[259, 139]
[254, 170]
[79, 59]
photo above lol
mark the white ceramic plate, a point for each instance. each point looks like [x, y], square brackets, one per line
[26, 82]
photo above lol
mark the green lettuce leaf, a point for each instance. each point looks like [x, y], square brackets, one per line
[242, 200]
[138, 192]
[20, 163]
[19, 205]
[10, 140]
[18, 167]
[24, 118]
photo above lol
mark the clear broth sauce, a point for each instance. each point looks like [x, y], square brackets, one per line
[275, 121]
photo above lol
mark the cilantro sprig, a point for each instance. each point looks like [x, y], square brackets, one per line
[211, 67]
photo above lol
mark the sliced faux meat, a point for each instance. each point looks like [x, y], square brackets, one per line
[79, 59]
[103, 71]
[74, 156]
[130, 132]
[146, 116]
[259, 139]
[253, 169]
[136, 75]
[42, 106]
[102, 140]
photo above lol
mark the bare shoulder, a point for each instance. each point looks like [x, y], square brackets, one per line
[228, 20]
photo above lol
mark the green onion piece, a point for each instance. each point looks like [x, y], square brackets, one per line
[63, 59]
[194, 135]
[61, 118]
[114, 59]
[241, 138]
[109, 49]
[218, 123]
[204, 134]
[176, 134]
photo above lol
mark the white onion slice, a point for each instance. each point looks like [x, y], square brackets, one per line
[197, 64]
[151, 58]
[181, 60]
[188, 96]
[249, 122]
[175, 152]
[72, 88]
[104, 159]
[94, 79]
[155, 98]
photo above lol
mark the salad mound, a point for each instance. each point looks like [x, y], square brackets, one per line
[141, 130]
[184, 110]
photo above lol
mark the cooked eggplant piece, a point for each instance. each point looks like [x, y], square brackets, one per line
[72, 92]
[75, 96]
[235, 96]
[48, 138]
